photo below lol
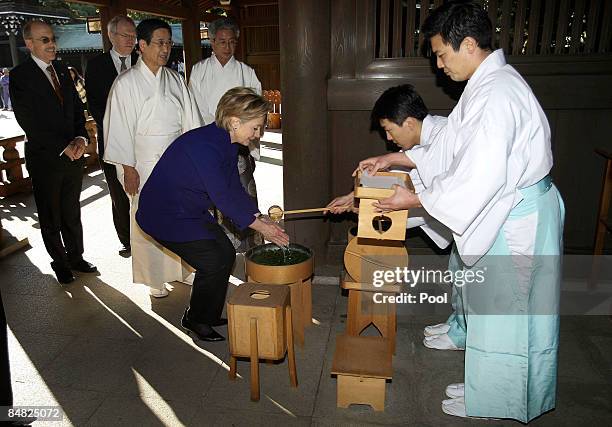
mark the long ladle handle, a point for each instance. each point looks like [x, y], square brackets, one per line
[305, 210]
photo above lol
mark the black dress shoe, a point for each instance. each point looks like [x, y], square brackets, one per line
[201, 331]
[125, 251]
[83, 266]
[63, 273]
[220, 322]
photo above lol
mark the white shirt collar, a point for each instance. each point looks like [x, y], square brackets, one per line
[230, 62]
[426, 127]
[146, 71]
[492, 63]
[42, 64]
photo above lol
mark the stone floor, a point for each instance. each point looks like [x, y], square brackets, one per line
[110, 356]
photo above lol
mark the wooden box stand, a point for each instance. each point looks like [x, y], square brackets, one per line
[363, 311]
[298, 278]
[260, 327]
[368, 217]
[362, 364]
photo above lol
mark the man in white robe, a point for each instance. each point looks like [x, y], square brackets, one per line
[402, 115]
[506, 217]
[148, 107]
[208, 82]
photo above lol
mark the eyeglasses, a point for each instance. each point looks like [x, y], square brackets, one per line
[47, 40]
[162, 43]
[126, 36]
[226, 43]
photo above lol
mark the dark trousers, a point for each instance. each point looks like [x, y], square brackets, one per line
[213, 260]
[57, 193]
[6, 391]
[120, 201]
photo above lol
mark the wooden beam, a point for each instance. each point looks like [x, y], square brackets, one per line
[562, 26]
[396, 42]
[533, 32]
[577, 25]
[160, 9]
[519, 28]
[383, 33]
[547, 29]
[504, 40]
[98, 3]
[191, 37]
[592, 20]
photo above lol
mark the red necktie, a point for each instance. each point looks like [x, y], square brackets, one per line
[56, 85]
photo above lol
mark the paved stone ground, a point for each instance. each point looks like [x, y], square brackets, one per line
[110, 356]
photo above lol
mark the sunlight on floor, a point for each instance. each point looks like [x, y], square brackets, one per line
[160, 409]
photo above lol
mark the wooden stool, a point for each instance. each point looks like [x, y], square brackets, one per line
[298, 278]
[363, 311]
[260, 327]
[362, 364]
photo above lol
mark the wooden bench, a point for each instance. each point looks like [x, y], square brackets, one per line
[362, 365]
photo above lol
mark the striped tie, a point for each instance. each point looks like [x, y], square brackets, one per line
[123, 66]
[56, 85]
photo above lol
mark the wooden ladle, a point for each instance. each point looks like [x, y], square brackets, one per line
[276, 213]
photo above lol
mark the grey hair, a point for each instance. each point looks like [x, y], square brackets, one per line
[112, 24]
[223, 24]
[27, 28]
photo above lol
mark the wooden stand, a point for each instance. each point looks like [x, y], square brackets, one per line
[363, 311]
[362, 364]
[367, 215]
[260, 327]
[298, 278]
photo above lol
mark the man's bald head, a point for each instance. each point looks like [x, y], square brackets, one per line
[39, 38]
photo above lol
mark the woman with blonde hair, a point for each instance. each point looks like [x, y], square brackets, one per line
[199, 170]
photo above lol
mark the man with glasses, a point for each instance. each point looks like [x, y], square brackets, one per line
[208, 82]
[148, 107]
[49, 110]
[100, 75]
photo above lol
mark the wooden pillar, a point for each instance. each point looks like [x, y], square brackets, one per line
[115, 7]
[191, 36]
[304, 32]
[14, 51]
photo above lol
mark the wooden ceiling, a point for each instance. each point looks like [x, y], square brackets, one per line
[181, 8]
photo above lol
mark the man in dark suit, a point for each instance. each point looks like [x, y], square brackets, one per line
[100, 75]
[48, 109]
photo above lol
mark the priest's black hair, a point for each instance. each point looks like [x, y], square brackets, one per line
[396, 104]
[146, 28]
[456, 20]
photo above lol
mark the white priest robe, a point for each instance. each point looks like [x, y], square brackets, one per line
[209, 80]
[432, 133]
[507, 220]
[144, 114]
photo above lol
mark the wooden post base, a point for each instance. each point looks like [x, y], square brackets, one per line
[362, 364]
[362, 311]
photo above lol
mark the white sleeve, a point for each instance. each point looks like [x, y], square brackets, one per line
[191, 113]
[198, 93]
[120, 119]
[477, 173]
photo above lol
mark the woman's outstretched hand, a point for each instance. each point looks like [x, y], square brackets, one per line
[270, 230]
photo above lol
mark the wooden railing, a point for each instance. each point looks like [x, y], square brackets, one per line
[12, 179]
[521, 27]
